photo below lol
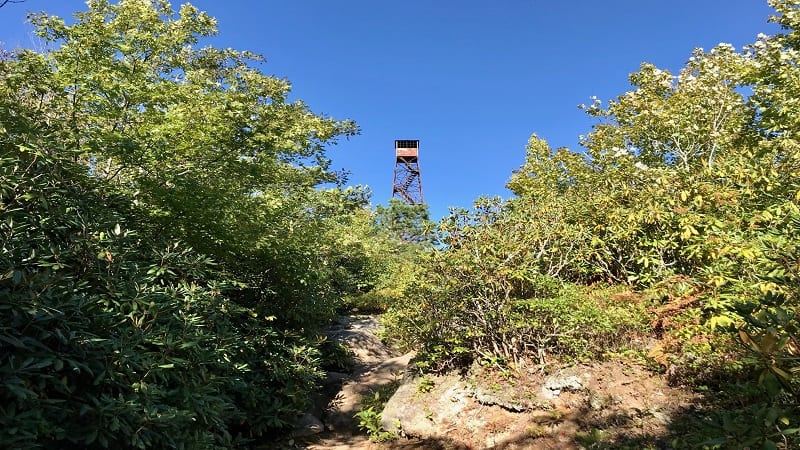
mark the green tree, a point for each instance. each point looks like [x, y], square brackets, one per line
[202, 139]
[112, 336]
[167, 253]
[406, 222]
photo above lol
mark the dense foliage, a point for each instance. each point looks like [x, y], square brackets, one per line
[392, 238]
[167, 254]
[112, 337]
[211, 146]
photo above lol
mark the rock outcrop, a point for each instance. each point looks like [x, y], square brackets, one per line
[413, 412]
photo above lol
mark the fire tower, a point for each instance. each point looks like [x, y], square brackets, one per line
[407, 178]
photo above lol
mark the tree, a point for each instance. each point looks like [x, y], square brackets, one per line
[166, 257]
[405, 222]
[125, 87]
[114, 336]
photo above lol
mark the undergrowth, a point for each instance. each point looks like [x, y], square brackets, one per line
[370, 412]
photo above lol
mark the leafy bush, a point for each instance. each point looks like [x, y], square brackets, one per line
[111, 338]
[483, 297]
[577, 326]
[337, 357]
[238, 184]
[370, 412]
[738, 417]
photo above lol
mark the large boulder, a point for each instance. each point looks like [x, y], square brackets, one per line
[414, 412]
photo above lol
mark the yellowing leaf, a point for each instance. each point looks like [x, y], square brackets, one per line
[768, 343]
[748, 340]
[781, 373]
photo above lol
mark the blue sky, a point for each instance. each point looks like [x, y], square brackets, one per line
[472, 80]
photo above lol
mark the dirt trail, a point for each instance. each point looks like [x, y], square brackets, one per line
[375, 365]
[612, 401]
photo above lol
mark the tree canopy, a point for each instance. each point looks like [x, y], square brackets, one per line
[168, 250]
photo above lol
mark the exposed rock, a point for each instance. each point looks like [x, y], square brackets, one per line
[358, 333]
[501, 399]
[489, 388]
[553, 385]
[596, 403]
[425, 414]
[489, 409]
[485, 408]
[339, 414]
[307, 425]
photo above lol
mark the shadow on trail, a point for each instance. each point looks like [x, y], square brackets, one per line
[347, 402]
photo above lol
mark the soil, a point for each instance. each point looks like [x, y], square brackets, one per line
[619, 404]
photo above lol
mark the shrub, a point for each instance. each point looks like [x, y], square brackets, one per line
[453, 316]
[111, 337]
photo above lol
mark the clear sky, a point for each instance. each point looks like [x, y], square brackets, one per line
[471, 79]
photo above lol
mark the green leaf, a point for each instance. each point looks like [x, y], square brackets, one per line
[90, 437]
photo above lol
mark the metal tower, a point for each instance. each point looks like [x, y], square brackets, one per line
[407, 179]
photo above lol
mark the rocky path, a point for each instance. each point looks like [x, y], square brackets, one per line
[375, 365]
[614, 404]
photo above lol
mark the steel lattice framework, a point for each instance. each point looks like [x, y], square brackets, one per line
[407, 178]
